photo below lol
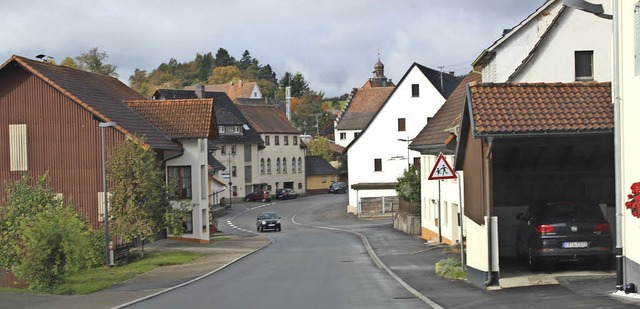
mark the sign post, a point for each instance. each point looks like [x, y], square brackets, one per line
[441, 170]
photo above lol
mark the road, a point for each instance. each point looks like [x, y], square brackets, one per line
[304, 267]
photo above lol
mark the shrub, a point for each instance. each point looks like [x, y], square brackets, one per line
[450, 268]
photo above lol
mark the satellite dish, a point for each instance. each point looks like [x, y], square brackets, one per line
[246, 127]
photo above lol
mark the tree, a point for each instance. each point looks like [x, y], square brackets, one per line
[309, 113]
[223, 75]
[319, 146]
[223, 59]
[299, 86]
[42, 238]
[92, 61]
[408, 185]
[245, 61]
[204, 66]
[139, 202]
[69, 62]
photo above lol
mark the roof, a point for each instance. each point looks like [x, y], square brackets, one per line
[214, 164]
[267, 119]
[227, 114]
[540, 108]
[100, 95]
[179, 119]
[233, 90]
[363, 106]
[335, 148]
[439, 128]
[317, 165]
[445, 83]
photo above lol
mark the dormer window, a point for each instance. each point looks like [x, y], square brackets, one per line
[221, 129]
[236, 129]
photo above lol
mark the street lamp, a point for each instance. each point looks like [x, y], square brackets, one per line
[104, 196]
[598, 10]
[408, 140]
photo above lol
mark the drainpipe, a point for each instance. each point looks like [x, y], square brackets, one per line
[487, 180]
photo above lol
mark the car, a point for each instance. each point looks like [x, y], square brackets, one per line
[566, 230]
[286, 193]
[259, 195]
[268, 221]
[338, 187]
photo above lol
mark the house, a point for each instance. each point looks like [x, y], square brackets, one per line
[191, 122]
[438, 136]
[362, 104]
[235, 90]
[320, 174]
[628, 89]
[236, 150]
[50, 124]
[280, 162]
[373, 168]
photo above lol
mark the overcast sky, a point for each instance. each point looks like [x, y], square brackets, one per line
[333, 43]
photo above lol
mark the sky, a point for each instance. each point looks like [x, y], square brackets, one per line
[333, 43]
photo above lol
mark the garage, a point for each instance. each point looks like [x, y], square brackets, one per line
[521, 144]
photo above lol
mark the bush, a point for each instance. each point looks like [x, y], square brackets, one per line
[43, 239]
[408, 185]
[450, 268]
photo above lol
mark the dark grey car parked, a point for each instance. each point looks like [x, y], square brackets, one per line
[563, 231]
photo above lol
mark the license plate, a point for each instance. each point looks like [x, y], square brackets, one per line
[272, 225]
[575, 244]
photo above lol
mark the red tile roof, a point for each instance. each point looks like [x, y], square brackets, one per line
[439, 128]
[267, 119]
[234, 91]
[363, 106]
[540, 108]
[179, 119]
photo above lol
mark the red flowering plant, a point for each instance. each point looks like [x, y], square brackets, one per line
[634, 200]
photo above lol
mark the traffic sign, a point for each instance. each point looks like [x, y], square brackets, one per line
[442, 170]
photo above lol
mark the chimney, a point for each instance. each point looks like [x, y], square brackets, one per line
[199, 89]
[452, 73]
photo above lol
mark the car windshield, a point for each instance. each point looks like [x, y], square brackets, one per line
[336, 185]
[269, 215]
[569, 212]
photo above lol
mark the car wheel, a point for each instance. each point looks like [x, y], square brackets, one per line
[258, 228]
[279, 229]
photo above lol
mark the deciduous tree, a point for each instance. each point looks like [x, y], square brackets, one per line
[93, 61]
[319, 146]
[223, 75]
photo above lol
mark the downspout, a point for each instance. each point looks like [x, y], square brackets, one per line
[487, 180]
[616, 84]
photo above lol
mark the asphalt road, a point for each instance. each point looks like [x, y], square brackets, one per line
[305, 267]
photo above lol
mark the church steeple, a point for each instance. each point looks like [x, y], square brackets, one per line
[378, 79]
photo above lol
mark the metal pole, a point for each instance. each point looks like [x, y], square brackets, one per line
[408, 154]
[617, 147]
[439, 215]
[230, 183]
[103, 125]
[464, 266]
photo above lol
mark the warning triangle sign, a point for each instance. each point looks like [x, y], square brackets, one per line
[442, 170]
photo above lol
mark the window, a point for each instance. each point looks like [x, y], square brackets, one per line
[377, 165]
[247, 153]
[299, 185]
[284, 165]
[247, 174]
[278, 166]
[286, 140]
[233, 171]
[343, 135]
[401, 124]
[203, 182]
[181, 177]
[356, 134]
[299, 165]
[415, 90]
[269, 166]
[204, 222]
[584, 65]
[293, 165]
[203, 145]
[455, 207]
[221, 129]
[295, 141]
[18, 147]
[236, 129]
[233, 149]
[223, 149]
[416, 163]
[262, 166]
[276, 140]
[324, 179]
[267, 140]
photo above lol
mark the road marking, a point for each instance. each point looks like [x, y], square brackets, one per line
[375, 259]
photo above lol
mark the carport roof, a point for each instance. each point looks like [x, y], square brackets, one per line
[539, 108]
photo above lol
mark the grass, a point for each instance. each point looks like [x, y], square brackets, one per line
[450, 268]
[96, 279]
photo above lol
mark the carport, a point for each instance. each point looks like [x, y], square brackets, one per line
[520, 143]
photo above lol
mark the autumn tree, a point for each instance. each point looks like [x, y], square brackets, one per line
[309, 113]
[223, 75]
[139, 202]
[319, 146]
[93, 61]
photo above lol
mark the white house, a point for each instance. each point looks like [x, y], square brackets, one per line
[362, 105]
[380, 154]
[628, 51]
[550, 45]
[187, 168]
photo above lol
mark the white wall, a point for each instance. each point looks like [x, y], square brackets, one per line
[380, 139]
[350, 136]
[195, 155]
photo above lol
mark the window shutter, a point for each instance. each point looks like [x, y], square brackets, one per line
[18, 147]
